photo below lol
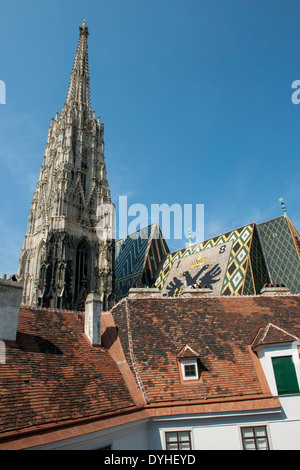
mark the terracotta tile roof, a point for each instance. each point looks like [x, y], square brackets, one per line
[273, 334]
[186, 352]
[52, 374]
[54, 379]
[220, 329]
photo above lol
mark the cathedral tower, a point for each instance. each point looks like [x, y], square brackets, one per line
[63, 257]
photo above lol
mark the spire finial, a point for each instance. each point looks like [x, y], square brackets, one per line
[84, 29]
[190, 243]
[283, 206]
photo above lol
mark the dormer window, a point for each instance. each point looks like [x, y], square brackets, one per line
[189, 369]
[189, 364]
[279, 356]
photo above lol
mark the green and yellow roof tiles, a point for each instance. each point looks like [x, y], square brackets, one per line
[234, 277]
[137, 257]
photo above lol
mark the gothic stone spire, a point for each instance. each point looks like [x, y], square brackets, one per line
[78, 96]
[63, 259]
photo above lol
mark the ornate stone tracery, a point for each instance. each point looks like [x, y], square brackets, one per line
[62, 258]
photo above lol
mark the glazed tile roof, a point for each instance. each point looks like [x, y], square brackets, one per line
[52, 374]
[137, 259]
[131, 252]
[221, 262]
[220, 329]
[238, 262]
[280, 247]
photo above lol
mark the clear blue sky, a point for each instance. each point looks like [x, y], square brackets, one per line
[195, 96]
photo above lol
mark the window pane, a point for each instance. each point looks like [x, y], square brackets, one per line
[190, 370]
[262, 443]
[171, 436]
[260, 431]
[184, 436]
[184, 446]
[249, 444]
[247, 432]
[172, 446]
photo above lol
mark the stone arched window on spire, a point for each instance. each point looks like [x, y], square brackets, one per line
[84, 169]
[40, 258]
[81, 273]
[104, 303]
[42, 280]
[111, 301]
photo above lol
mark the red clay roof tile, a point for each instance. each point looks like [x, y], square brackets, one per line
[53, 376]
[220, 329]
[53, 373]
[272, 334]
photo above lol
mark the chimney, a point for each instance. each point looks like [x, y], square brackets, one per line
[271, 289]
[196, 291]
[92, 320]
[138, 292]
[10, 299]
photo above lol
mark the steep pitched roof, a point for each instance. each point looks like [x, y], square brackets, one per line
[137, 259]
[259, 253]
[221, 329]
[280, 246]
[221, 262]
[53, 375]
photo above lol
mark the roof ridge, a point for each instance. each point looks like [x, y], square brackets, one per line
[132, 357]
[195, 353]
[178, 297]
[278, 328]
[51, 309]
[138, 231]
[211, 238]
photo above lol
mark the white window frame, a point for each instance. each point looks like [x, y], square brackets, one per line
[188, 362]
